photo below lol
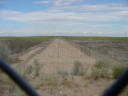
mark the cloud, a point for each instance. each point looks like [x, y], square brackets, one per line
[99, 32]
[64, 2]
[57, 2]
[68, 17]
[90, 12]
[81, 5]
[1, 32]
[4, 14]
[55, 10]
[92, 7]
[87, 29]
[42, 2]
[62, 18]
[38, 16]
[67, 23]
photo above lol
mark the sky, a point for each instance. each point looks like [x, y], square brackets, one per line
[64, 18]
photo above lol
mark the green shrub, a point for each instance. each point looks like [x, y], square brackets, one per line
[118, 70]
[36, 67]
[78, 69]
[100, 70]
[62, 72]
[49, 80]
[29, 69]
[101, 65]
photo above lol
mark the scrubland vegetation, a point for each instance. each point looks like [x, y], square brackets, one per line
[13, 45]
[114, 39]
[19, 44]
[112, 47]
[51, 83]
[100, 70]
[6, 52]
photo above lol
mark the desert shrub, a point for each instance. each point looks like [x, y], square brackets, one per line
[29, 69]
[78, 69]
[101, 64]
[49, 80]
[118, 70]
[62, 72]
[36, 67]
[100, 70]
[16, 91]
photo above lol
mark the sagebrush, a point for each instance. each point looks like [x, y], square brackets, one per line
[100, 70]
[78, 69]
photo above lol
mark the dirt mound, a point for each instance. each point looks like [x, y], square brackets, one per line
[60, 55]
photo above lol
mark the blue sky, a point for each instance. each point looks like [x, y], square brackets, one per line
[63, 17]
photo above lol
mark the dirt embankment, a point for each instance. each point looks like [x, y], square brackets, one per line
[60, 55]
